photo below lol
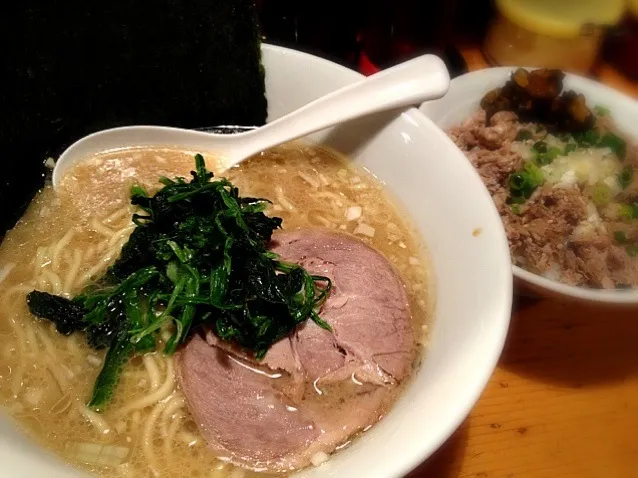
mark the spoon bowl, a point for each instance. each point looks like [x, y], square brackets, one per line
[409, 83]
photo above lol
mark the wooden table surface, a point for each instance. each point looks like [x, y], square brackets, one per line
[563, 401]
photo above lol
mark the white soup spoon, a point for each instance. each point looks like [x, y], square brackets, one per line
[410, 83]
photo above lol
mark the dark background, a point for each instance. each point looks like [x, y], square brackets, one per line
[71, 69]
[385, 31]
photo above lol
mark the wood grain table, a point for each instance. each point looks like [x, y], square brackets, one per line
[563, 401]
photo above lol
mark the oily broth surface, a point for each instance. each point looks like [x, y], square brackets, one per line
[311, 186]
[67, 238]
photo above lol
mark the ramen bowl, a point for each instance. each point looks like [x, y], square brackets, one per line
[469, 264]
[463, 99]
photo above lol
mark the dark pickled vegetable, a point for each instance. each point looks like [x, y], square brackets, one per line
[535, 96]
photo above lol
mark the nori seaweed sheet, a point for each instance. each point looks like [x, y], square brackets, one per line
[68, 69]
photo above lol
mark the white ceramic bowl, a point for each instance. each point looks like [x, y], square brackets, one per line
[447, 202]
[463, 99]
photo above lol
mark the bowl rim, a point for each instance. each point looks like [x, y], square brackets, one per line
[604, 296]
[501, 319]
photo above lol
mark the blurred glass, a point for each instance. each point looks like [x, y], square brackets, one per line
[550, 34]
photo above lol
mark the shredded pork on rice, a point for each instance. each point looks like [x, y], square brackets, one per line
[559, 232]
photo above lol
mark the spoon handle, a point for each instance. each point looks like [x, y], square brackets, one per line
[409, 83]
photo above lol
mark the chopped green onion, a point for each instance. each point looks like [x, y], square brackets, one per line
[601, 195]
[588, 138]
[632, 250]
[524, 135]
[543, 160]
[540, 147]
[620, 237]
[535, 174]
[552, 154]
[592, 138]
[524, 182]
[615, 143]
[628, 211]
[601, 110]
[516, 208]
[569, 148]
[625, 177]
[517, 181]
[544, 155]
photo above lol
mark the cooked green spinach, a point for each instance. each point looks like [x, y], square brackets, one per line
[197, 256]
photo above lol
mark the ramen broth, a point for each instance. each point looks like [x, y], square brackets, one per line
[68, 238]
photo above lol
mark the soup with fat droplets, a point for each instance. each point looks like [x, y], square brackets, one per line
[68, 238]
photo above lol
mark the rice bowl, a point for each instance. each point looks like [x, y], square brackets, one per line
[595, 170]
